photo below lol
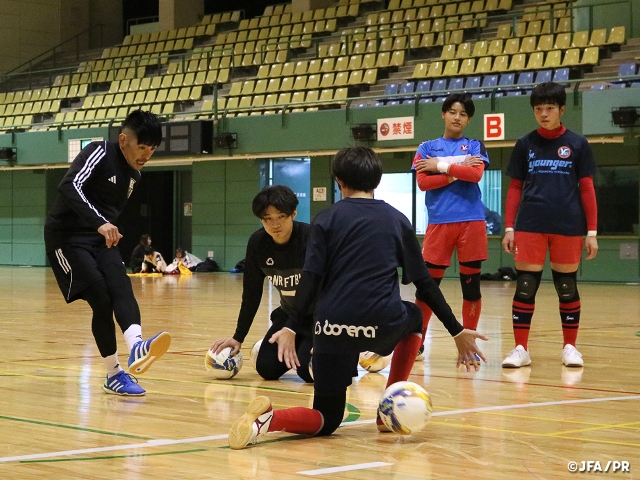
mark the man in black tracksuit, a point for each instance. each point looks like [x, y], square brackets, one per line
[81, 238]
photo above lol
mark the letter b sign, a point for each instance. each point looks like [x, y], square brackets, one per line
[494, 126]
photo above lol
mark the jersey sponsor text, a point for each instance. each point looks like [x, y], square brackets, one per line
[285, 282]
[351, 330]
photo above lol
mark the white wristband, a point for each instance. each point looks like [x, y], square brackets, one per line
[443, 167]
[508, 229]
[592, 233]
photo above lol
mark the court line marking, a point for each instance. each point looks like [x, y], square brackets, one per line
[162, 442]
[345, 468]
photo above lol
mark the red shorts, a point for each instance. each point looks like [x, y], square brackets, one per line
[532, 247]
[469, 239]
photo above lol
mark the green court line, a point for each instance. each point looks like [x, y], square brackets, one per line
[71, 427]
[110, 457]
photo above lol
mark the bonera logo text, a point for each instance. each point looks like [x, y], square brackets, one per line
[352, 330]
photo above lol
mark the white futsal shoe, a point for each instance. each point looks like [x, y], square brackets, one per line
[254, 422]
[518, 357]
[571, 357]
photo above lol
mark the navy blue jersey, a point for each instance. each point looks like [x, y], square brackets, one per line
[459, 201]
[356, 246]
[550, 170]
[281, 264]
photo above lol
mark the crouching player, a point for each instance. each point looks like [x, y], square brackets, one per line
[350, 268]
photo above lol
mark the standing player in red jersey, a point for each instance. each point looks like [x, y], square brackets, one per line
[448, 171]
[551, 203]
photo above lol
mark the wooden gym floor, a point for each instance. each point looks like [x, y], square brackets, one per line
[57, 423]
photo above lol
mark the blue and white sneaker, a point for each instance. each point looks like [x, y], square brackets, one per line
[145, 352]
[123, 383]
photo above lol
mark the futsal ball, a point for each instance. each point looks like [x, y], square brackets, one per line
[372, 362]
[222, 366]
[405, 408]
[254, 353]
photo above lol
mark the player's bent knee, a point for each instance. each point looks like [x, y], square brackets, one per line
[332, 409]
[304, 373]
[565, 285]
[470, 287]
[526, 286]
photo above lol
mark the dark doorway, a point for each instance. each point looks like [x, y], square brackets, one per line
[149, 210]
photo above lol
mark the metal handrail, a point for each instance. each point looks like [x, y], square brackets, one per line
[52, 51]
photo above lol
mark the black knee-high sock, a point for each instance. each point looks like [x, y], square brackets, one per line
[104, 331]
[125, 305]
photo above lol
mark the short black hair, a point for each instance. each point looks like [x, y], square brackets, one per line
[461, 98]
[278, 196]
[548, 93]
[146, 127]
[359, 168]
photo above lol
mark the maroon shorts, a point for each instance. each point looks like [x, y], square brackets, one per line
[532, 248]
[468, 238]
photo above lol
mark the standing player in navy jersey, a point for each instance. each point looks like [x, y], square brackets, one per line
[276, 252]
[355, 248]
[448, 171]
[81, 238]
[551, 203]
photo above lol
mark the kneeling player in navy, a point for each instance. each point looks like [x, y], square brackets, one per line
[276, 252]
[81, 238]
[355, 247]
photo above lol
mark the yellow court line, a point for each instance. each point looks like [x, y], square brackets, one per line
[534, 434]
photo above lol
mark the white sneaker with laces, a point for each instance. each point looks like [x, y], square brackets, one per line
[571, 357]
[518, 357]
[254, 422]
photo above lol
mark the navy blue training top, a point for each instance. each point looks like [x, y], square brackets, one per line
[356, 246]
[551, 170]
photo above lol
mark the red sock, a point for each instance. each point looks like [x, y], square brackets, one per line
[570, 316]
[521, 313]
[426, 316]
[471, 313]
[305, 421]
[404, 356]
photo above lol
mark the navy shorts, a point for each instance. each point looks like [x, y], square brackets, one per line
[77, 266]
[333, 372]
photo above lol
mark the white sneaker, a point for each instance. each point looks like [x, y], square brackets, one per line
[518, 357]
[254, 422]
[420, 355]
[571, 357]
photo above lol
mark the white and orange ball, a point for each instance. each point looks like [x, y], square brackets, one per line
[254, 353]
[372, 362]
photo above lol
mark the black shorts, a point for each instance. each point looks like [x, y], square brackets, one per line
[77, 266]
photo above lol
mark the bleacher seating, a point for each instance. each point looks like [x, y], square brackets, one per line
[254, 63]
